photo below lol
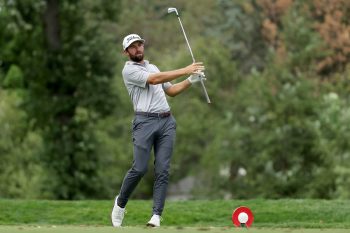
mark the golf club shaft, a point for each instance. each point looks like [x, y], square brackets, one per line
[205, 92]
[189, 47]
[188, 44]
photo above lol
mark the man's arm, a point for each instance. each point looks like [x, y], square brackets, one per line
[177, 88]
[167, 76]
[181, 86]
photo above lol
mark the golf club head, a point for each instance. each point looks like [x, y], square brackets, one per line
[172, 9]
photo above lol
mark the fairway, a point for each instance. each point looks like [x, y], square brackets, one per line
[271, 216]
[103, 229]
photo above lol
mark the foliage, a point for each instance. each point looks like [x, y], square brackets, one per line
[334, 121]
[20, 170]
[269, 143]
[277, 73]
[67, 91]
[285, 162]
[332, 23]
[239, 31]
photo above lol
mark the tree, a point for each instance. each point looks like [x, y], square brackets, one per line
[67, 64]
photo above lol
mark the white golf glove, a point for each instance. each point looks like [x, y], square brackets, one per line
[196, 77]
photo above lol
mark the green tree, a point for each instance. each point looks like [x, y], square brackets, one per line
[268, 141]
[334, 121]
[67, 63]
[240, 31]
[20, 170]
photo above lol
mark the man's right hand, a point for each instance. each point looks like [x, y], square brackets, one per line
[194, 68]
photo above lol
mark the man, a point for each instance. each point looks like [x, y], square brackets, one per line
[153, 124]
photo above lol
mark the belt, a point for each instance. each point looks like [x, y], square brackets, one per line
[153, 114]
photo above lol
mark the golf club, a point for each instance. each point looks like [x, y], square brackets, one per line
[170, 10]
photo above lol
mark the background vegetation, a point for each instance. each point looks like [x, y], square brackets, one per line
[278, 75]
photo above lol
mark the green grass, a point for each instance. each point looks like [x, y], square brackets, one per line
[201, 215]
[92, 229]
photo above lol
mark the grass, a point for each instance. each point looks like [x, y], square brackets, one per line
[199, 215]
[91, 229]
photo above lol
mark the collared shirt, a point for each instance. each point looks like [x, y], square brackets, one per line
[145, 97]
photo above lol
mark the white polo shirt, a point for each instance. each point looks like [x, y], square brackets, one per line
[145, 97]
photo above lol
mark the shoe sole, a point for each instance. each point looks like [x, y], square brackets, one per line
[151, 225]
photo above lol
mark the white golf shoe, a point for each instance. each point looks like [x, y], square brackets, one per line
[155, 221]
[117, 215]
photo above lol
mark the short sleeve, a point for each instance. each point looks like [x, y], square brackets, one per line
[166, 85]
[135, 75]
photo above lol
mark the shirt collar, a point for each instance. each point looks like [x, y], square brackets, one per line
[137, 63]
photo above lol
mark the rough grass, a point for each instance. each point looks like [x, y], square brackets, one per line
[202, 215]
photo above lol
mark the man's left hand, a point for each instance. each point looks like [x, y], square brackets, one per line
[196, 77]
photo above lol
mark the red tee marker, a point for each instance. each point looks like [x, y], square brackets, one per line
[242, 217]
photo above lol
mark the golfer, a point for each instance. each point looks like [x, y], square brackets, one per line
[153, 124]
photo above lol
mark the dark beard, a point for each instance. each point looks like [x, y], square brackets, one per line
[136, 58]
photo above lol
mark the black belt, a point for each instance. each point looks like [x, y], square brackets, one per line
[153, 114]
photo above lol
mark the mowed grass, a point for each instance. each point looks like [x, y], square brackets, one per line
[198, 215]
[92, 229]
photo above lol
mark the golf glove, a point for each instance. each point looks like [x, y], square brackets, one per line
[196, 77]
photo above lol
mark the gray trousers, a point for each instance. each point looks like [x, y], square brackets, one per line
[148, 132]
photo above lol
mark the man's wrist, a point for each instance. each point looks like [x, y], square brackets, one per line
[183, 71]
[189, 80]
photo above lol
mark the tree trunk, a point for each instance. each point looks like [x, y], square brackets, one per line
[52, 25]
